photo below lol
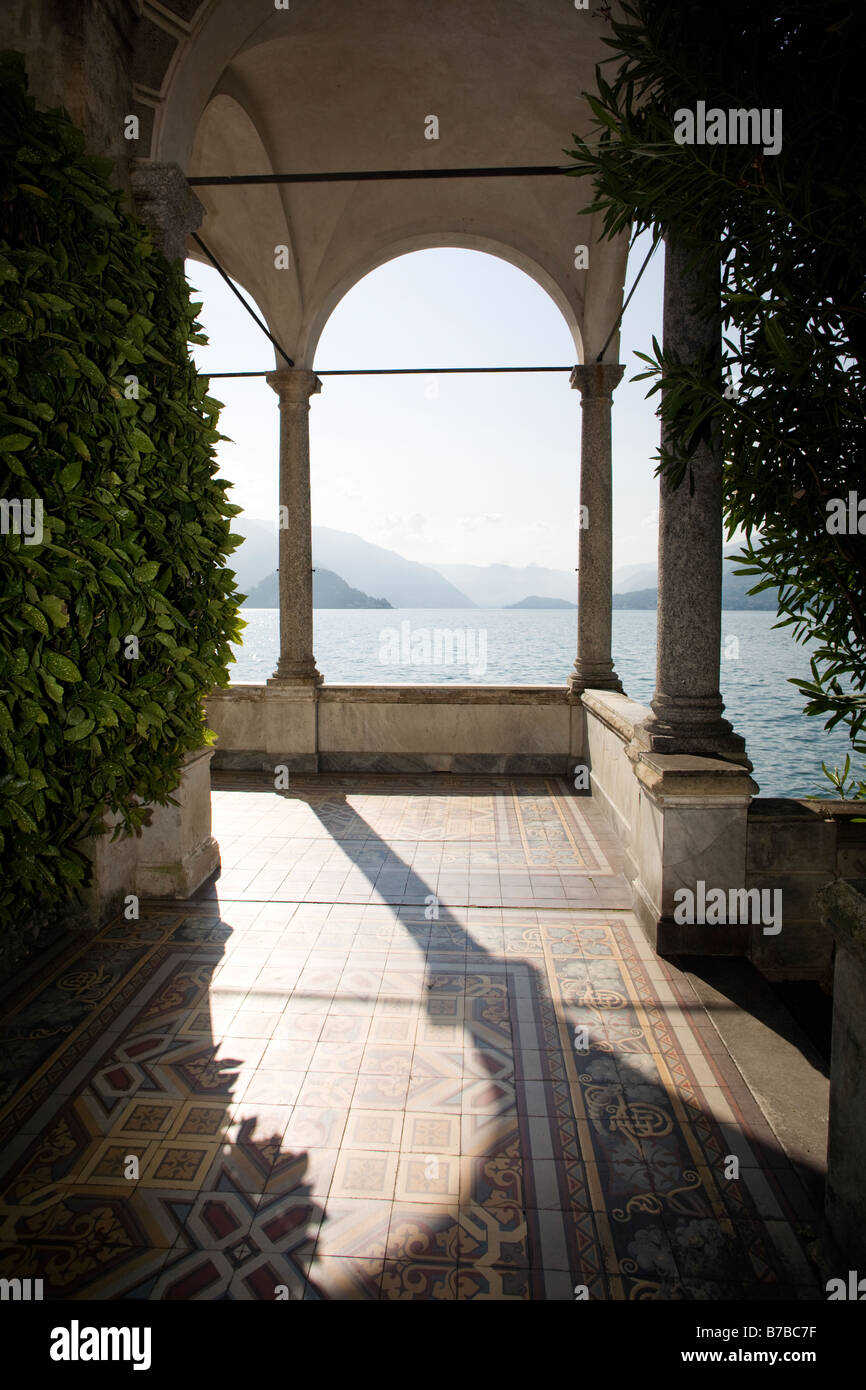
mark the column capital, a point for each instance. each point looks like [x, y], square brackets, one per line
[596, 379]
[293, 385]
[165, 202]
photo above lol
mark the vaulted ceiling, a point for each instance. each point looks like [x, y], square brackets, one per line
[240, 87]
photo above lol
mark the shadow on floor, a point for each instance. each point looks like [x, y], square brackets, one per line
[585, 1155]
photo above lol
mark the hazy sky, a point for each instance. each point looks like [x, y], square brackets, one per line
[475, 469]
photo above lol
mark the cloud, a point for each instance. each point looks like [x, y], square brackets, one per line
[471, 523]
[399, 521]
[347, 488]
[651, 519]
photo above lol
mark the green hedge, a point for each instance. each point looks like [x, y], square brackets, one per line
[136, 527]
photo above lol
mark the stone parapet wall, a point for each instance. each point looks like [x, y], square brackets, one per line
[797, 847]
[397, 728]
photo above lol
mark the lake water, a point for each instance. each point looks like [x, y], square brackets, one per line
[494, 646]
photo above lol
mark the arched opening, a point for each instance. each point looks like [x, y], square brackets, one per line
[473, 478]
[450, 497]
[448, 243]
[421, 489]
[248, 456]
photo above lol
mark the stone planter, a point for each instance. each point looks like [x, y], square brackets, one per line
[844, 908]
[112, 878]
[171, 857]
[177, 851]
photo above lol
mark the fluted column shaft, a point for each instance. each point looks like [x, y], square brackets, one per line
[593, 667]
[296, 665]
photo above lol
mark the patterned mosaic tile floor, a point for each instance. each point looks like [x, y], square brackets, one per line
[493, 841]
[353, 1096]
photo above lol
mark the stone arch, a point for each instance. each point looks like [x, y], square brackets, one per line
[428, 241]
[181, 50]
[228, 126]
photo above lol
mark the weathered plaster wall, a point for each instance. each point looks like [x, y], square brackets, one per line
[79, 54]
[798, 847]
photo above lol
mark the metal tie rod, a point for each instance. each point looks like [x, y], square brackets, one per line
[365, 175]
[395, 371]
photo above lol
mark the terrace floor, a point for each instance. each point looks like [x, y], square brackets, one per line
[410, 1044]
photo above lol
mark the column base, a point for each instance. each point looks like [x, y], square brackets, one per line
[598, 676]
[296, 673]
[707, 738]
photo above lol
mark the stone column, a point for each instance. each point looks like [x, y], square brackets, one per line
[687, 706]
[165, 202]
[296, 665]
[593, 668]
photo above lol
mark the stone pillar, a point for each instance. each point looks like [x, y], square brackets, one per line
[593, 668]
[296, 665]
[687, 706]
[165, 202]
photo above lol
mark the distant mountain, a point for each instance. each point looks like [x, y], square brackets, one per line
[372, 569]
[329, 591]
[265, 594]
[636, 598]
[500, 586]
[631, 577]
[257, 557]
[362, 565]
[404, 583]
[503, 586]
[734, 596]
[735, 591]
[488, 586]
[534, 601]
